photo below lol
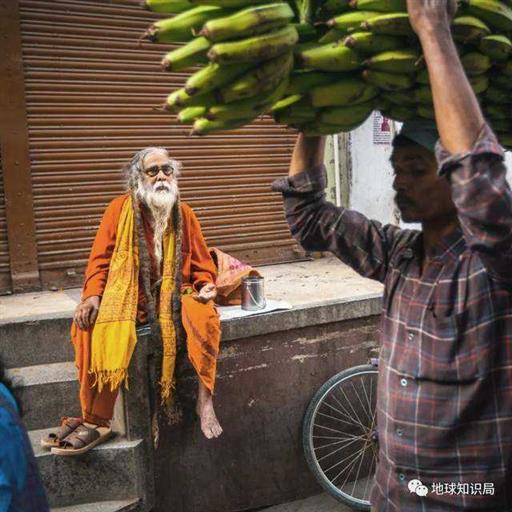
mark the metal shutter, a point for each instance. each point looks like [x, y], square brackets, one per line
[92, 93]
[5, 275]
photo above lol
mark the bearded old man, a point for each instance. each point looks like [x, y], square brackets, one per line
[149, 263]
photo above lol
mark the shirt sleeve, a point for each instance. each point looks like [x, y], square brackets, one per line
[483, 200]
[318, 225]
[101, 252]
[202, 266]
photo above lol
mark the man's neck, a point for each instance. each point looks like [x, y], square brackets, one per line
[435, 231]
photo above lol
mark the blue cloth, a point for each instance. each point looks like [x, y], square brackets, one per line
[423, 132]
[20, 486]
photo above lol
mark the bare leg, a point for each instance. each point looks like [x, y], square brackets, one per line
[204, 408]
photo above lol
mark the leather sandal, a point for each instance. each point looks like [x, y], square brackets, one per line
[82, 439]
[67, 426]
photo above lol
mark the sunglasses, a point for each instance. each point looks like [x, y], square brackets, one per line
[153, 171]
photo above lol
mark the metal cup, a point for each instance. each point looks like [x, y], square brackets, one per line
[253, 293]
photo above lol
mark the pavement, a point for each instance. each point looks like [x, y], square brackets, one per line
[317, 282]
[320, 503]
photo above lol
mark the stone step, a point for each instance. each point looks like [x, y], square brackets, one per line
[102, 506]
[46, 392]
[36, 342]
[111, 471]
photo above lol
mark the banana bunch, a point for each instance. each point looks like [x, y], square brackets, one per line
[323, 66]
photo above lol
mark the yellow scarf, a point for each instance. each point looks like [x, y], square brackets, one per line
[114, 336]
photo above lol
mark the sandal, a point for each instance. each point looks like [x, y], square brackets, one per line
[67, 426]
[82, 439]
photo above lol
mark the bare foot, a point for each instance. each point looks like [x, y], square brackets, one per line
[204, 409]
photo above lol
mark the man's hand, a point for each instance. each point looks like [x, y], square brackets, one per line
[429, 15]
[207, 292]
[86, 312]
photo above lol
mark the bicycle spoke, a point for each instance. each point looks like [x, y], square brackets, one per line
[331, 444]
[368, 400]
[353, 417]
[338, 449]
[360, 401]
[365, 428]
[355, 456]
[336, 419]
[343, 460]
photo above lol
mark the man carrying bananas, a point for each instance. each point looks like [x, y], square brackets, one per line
[149, 263]
[444, 406]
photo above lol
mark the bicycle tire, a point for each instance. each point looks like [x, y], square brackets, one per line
[309, 426]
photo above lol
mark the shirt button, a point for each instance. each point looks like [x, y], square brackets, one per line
[399, 433]
[403, 382]
[411, 336]
[401, 477]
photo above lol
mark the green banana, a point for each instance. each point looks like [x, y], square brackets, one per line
[399, 98]
[380, 5]
[426, 112]
[388, 81]
[347, 115]
[476, 63]
[493, 12]
[180, 98]
[329, 57]
[497, 47]
[396, 61]
[306, 31]
[480, 83]
[399, 113]
[229, 4]
[468, 28]
[370, 43]
[330, 7]
[255, 49]
[498, 96]
[495, 112]
[181, 27]
[248, 22]
[167, 6]
[318, 128]
[423, 95]
[351, 20]
[332, 36]
[394, 24]
[302, 81]
[505, 139]
[296, 115]
[194, 52]
[502, 125]
[190, 114]
[286, 102]
[203, 126]
[342, 93]
[214, 76]
[422, 77]
[259, 79]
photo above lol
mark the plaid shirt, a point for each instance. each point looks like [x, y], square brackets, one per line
[444, 406]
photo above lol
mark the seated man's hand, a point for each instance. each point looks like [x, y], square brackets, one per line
[207, 292]
[86, 312]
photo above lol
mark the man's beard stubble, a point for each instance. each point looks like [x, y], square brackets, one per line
[160, 198]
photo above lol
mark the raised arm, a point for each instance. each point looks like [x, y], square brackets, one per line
[470, 155]
[318, 225]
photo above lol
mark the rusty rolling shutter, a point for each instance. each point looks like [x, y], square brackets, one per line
[5, 274]
[93, 94]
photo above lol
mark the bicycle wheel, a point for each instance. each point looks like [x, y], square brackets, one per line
[340, 437]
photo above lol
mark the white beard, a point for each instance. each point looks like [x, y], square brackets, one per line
[160, 204]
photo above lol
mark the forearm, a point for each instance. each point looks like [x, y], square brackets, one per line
[308, 154]
[458, 114]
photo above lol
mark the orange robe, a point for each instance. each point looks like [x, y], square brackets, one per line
[200, 321]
